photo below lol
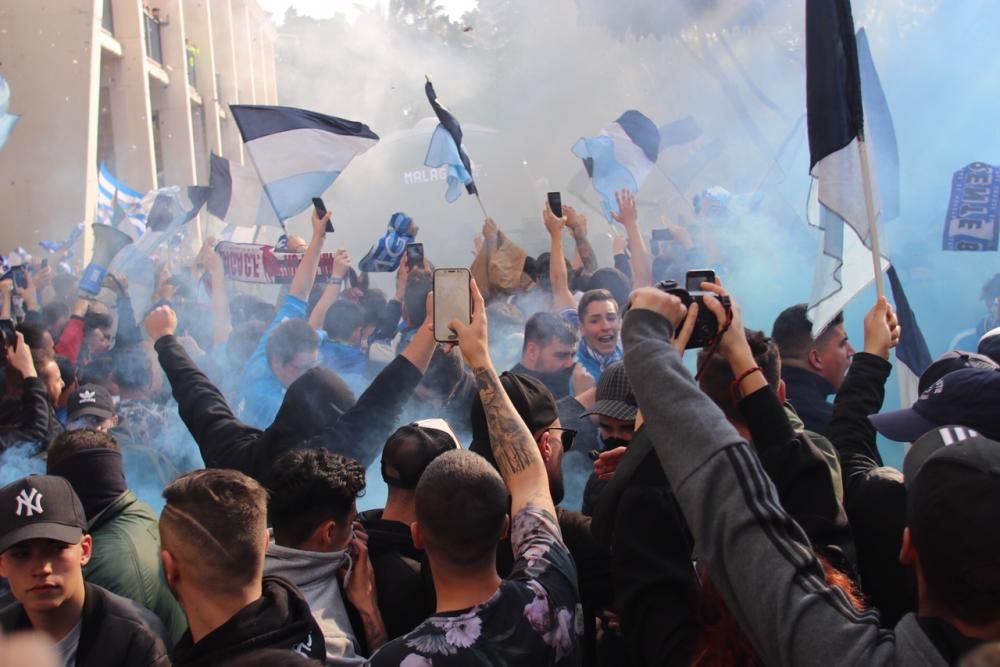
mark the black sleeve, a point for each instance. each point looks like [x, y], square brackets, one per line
[623, 265]
[388, 321]
[361, 432]
[35, 417]
[224, 441]
[799, 473]
[850, 431]
[128, 329]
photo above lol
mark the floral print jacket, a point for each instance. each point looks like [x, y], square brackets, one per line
[534, 618]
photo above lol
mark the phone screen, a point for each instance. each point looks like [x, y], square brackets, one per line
[555, 203]
[415, 255]
[694, 279]
[452, 301]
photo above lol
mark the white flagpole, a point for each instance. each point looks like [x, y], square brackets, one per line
[866, 178]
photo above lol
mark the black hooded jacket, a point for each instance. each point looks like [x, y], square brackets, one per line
[318, 411]
[280, 619]
[402, 574]
[807, 392]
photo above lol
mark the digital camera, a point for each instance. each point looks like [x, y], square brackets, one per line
[706, 326]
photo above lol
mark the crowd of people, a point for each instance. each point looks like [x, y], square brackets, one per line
[742, 515]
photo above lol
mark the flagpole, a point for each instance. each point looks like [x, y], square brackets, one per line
[266, 193]
[481, 207]
[866, 178]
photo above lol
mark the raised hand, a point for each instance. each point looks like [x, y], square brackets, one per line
[628, 214]
[552, 223]
[161, 321]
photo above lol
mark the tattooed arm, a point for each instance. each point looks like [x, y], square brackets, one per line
[360, 591]
[577, 224]
[514, 449]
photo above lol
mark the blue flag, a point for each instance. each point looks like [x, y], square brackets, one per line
[446, 149]
[973, 217]
[912, 351]
[114, 199]
[385, 255]
[298, 154]
[236, 196]
[620, 157]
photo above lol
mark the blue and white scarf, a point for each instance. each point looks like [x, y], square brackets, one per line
[386, 254]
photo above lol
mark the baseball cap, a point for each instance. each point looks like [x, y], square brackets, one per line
[989, 344]
[409, 451]
[968, 397]
[953, 360]
[957, 444]
[532, 400]
[40, 507]
[614, 395]
[90, 399]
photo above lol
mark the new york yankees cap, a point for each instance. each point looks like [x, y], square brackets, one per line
[40, 507]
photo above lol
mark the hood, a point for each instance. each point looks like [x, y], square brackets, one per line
[313, 403]
[388, 536]
[280, 619]
[305, 569]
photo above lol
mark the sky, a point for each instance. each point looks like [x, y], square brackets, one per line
[322, 9]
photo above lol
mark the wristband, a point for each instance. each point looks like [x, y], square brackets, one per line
[334, 280]
[734, 387]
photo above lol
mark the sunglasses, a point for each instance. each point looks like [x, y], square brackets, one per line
[567, 436]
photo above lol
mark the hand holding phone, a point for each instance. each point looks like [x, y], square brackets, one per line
[452, 301]
[414, 256]
[555, 203]
[321, 211]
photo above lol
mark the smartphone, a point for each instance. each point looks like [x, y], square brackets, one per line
[16, 274]
[414, 255]
[693, 279]
[452, 301]
[662, 235]
[44, 264]
[555, 203]
[321, 211]
[8, 334]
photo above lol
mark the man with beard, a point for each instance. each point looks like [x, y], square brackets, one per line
[549, 352]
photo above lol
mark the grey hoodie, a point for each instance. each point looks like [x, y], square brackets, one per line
[758, 557]
[315, 574]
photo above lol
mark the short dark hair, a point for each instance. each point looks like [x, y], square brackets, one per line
[444, 371]
[98, 371]
[461, 502]
[591, 296]
[544, 327]
[288, 339]
[792, 331]
[951, 535]
[133, 367]
[243, 340]
[408, 452]
[612, 280]
[373, 302]
[309, 486]
[53, 312]
[343, 319]
[215, 521]
[717, 377]
[94, 320]
[70, 443]
[67, 369]
[247, 307]
[33, 334]
[418, 286]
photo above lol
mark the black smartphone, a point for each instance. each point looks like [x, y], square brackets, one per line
[555, 203]
[662, 235]
[321, 211]
[44, 264]
[9, 334]
[17, 275]
[452, 301]
[693, 279]
[415, 255]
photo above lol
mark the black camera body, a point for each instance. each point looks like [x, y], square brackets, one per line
[706, 326]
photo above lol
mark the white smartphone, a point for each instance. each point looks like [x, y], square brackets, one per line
[452, 301]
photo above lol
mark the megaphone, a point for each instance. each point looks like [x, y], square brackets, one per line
[108, 241]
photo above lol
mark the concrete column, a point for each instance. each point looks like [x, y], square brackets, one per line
[131, 111]
[225, 65]
[242, 39]
[51, 58]
[271, 64]
[198, 29]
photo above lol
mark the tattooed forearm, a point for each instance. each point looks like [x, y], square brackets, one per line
[375, 633]
[513, 447]
[587, 255]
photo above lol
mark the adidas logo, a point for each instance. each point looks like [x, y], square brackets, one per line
[88, 397]
[956, 434]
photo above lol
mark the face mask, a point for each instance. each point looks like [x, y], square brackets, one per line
[614, 443]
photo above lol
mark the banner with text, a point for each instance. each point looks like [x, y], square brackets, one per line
[973, 219]
[252, 263]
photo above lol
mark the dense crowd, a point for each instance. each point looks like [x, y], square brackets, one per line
[740, 516]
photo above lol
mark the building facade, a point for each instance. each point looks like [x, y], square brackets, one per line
[142, 85]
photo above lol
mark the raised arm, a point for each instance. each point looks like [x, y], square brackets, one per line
[305, 275]
[211, 262]
[514, 449]
[561, 296]
[577, 223]
[642, 268]
[341, 263]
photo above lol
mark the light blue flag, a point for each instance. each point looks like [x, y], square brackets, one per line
[443, 151]
[7, 119]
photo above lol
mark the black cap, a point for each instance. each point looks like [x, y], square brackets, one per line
[40, 507]
[968, 397]
[953, 360]
[532, 400]
[90, 399]
[989, 344]
[614, 395]
[409, 451]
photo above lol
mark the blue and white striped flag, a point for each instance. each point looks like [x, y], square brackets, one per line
[7, 119]
[446, 149]
[620, 157]
[109, 191]
[237, 197]
[298, 154]
[912, 351]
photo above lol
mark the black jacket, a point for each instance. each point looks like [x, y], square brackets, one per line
[280, 619]
[313, 413]
[115, 631]
[807, 393]
[29, 419]
[874, 495]
[403, 579]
